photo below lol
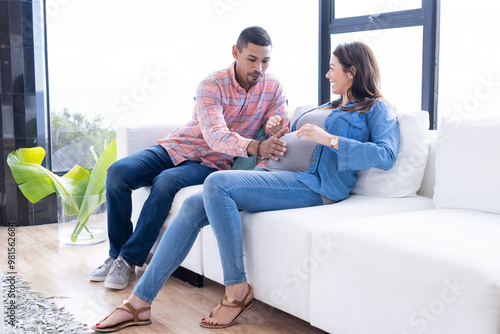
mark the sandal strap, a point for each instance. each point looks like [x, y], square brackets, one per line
[237, 303]
[240, 303]
[132, 309]
[116, 309]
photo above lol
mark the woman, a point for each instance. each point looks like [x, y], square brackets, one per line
[327, 146]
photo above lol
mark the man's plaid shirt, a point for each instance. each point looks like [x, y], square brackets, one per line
[225, 118]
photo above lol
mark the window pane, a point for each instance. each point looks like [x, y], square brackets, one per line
[349, 8]
[399, 55]
[140, 63]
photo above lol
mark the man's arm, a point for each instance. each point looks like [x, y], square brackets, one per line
[210, 117]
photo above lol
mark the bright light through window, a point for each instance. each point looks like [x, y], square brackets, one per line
[399, 55]
[349, 8]
[133, 62]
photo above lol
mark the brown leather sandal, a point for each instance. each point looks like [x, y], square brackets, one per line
[237, 303]
[130, 309]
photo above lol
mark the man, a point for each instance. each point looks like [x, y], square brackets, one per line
[231, 106]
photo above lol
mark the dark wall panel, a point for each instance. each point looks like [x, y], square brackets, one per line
[23, 104]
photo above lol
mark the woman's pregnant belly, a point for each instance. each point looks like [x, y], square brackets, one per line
[298, 155]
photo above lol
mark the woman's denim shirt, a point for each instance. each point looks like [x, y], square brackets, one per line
[366, 140]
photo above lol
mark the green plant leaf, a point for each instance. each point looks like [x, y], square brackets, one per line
[96, 186]
[75, 188]
[75, 182]
[35, 181]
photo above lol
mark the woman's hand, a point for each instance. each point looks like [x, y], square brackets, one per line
[275, 123]
[316, 134]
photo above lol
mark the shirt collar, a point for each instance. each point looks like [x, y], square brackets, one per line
[237, 86]
[232, 74]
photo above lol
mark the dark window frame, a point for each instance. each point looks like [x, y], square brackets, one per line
[427, 16]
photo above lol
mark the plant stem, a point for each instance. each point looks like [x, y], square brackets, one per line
[87, 229]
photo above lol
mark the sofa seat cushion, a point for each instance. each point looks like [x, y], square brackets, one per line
[432, 271]
[277, 246]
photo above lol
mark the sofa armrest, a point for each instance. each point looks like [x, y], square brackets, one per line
[429, 179]
[130, 139]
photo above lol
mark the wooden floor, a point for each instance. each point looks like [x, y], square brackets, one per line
[56, 270]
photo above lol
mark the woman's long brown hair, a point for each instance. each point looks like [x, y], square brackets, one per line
[366, 83]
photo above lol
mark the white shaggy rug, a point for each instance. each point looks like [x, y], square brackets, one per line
[34, 313]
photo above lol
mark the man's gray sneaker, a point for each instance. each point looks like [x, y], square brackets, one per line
[119, 274]
[99, 274]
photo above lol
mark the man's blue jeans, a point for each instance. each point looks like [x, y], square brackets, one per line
[149, 167]
[224, 194]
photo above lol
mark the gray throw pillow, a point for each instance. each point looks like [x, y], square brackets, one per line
[242, 163]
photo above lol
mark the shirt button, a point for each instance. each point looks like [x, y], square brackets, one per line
[314, 160]
[317, 146]
[325, 127]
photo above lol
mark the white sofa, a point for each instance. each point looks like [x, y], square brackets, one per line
[412, 250]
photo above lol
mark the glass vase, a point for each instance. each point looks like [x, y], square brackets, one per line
[82, 220]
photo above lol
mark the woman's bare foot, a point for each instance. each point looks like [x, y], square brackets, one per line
[225, 315]
[120, 316]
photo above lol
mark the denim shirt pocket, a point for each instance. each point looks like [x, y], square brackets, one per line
[356, 127]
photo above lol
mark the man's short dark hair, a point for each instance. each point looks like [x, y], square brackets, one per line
[255, 35]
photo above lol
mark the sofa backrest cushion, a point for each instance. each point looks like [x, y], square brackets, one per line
[299, 111]
[468, 164]
[405, 178]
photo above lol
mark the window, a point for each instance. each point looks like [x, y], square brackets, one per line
[404, 36]
[137, 63]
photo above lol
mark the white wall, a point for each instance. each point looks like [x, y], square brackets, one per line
[469, 82]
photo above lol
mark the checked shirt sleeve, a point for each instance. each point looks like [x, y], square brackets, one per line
[210, 116]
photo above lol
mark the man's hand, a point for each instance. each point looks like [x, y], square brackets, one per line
[274, 124]
[273, 147]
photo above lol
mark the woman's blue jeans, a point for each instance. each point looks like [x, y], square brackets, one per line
[224, 194]
[149, 167]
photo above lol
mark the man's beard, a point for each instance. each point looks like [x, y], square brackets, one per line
[254, 78]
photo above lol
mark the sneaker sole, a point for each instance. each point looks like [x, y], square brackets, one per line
[97, 278]
[115, 285]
